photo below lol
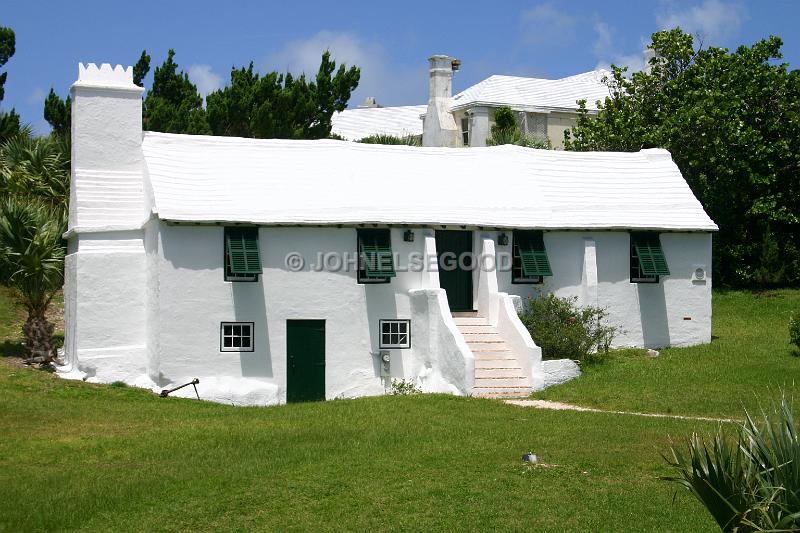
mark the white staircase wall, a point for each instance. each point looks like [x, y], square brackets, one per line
[500, 309]
[441, 360]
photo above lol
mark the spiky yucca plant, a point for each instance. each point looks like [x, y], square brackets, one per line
[750, 482]
[32, 262]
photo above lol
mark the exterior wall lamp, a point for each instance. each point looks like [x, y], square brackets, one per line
[408, 236]
[502, 239]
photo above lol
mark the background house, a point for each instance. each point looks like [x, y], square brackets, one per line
[545, 108]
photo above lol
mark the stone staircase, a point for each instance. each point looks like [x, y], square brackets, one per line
[498, 373]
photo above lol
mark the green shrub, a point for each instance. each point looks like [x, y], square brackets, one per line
[408, 140]
[516, 137]
[402, 387]
[750, 482]
[565, 331]
[504, 119]
[794, 329]
[506, 131]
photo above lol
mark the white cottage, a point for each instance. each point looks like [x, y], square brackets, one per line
[277, 270]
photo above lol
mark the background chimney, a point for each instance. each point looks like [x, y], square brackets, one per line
[439, 128]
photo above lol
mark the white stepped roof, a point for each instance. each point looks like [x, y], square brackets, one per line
[355, 124]
[227, 179]
[534, 94]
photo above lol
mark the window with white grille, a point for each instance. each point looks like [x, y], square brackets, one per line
[236, 337]
[395, 334]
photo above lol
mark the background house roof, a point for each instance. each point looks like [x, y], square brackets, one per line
[526, 94]
[228, 179]
[355, 124]
[535, 94]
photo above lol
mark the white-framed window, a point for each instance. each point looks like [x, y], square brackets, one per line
[236, 337]
[465, 131]
[395, 334]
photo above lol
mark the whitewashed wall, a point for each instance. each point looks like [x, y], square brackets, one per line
[105, 306]
[163, 298]
[652, 315]
[193, 299]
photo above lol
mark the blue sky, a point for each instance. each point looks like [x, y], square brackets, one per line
[389, 41]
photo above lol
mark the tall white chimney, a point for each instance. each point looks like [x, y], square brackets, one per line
[105, 269]
[439, 128]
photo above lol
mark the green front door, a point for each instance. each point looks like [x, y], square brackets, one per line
[454, 249]
[305, 360]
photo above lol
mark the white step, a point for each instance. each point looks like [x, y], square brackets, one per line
[471, 321]
[487, 346]
[498, 373]
[496, 363]
[505, 355]
[487, 334]
[507, 392]
[495, 373]
[476, 329]
[501, 382]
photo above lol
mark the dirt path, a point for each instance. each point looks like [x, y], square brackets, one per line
[559, 406]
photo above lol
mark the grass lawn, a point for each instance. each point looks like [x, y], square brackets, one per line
[749, 360]
[77, 455]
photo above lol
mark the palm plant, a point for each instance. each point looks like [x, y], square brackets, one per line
[36, 167]
[32, 261]
[34, 185]
[750, 483]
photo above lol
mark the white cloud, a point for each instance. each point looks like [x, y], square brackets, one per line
[36, 96]
[545, 24]
[634, 62]
[388, 83]
[607, 53]
[206, 79]
[603, 43]
[712, 20]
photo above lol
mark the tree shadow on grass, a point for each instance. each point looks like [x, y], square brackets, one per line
[11, 349]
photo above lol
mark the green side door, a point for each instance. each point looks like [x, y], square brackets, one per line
[305, 360]
[455, 276]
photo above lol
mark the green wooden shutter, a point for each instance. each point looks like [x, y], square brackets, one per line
[651, 256]
[243, 252]
[533, 256]
[376, 255]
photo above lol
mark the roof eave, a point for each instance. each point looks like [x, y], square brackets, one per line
[517, 107]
